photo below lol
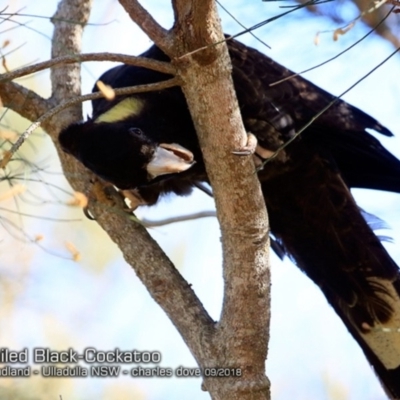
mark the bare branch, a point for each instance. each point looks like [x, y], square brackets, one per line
[197, 11]
[69, 20]
[239, 340]
[155, 65]
[160, 277]
[337, 55]
[181, 218]
[238, 22]
[204, 38]
[163, 281]
[148, 24]
[243, 329]
[23, 101]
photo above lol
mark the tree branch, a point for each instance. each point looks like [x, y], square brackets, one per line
[23, 101]
[69, 21]
[155, 65]
[155, 270]
[241, 336]
[196, 11]
[152, 266]
[239, 341]
[180, 218]
[148, 24]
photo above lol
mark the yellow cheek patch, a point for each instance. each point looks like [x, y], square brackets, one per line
[128, 107]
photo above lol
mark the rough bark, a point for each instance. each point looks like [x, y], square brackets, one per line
[239, 340]
[241, 334]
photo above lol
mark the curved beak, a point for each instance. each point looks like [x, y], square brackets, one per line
[169, 158]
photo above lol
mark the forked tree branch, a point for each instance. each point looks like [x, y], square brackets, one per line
[153, 267]
[164, 282]
[196, 11]
[242, 333]
[150, 263]
[240, 339]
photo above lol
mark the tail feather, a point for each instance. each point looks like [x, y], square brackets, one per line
[380, 345]
[314, 215]
[363, 162]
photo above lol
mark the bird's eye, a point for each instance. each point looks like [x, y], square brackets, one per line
[136, 131]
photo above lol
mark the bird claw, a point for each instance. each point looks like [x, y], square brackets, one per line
[88, 214]
[249, 147]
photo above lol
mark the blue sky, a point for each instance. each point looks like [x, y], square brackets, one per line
[48, 301]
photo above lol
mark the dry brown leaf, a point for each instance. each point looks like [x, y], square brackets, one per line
[341, 31]
[6, 158]
[106, 90]
[14, 191]
[76, 255]
[7, 134]
[78, 200]
[4, 63]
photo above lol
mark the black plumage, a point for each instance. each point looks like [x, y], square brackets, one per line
[112, 160]
[312, 212]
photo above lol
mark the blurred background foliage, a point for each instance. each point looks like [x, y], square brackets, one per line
[370, 13]
[49, 300]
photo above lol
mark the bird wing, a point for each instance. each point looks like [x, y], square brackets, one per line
[314, 215]
[275, 113]
[312, 212]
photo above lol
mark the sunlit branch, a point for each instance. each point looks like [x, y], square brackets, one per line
[155, 65]
[147, 23]
[23, 101]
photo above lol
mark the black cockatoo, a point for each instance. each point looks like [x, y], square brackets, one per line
[146, 143]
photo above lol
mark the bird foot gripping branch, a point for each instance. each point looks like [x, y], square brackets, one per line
[260, 154]
[249, 148]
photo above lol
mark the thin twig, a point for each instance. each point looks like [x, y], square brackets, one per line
[327, 107]
[54, 19]
[148, 24]
[25, 25]
[155, 65]
[337, 55]
[254, 27]
[3, 55]
[182, 218]
[374, 7]
[41, 216]
[237, 21]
